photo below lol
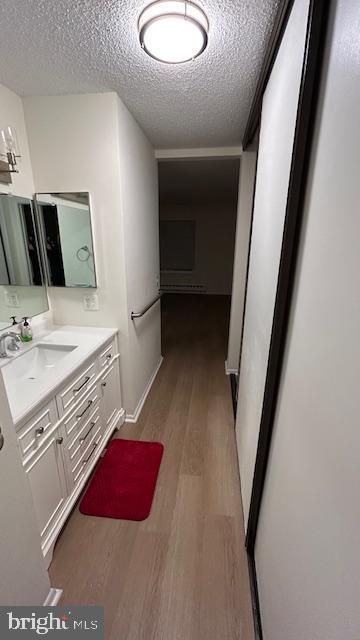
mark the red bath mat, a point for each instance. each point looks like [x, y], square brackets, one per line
[124, 483]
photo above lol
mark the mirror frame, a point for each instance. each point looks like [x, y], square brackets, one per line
[43, 286]
[42, 241]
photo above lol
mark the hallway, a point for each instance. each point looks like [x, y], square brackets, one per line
[182, 573]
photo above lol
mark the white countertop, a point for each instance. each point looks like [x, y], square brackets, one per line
[26, 395]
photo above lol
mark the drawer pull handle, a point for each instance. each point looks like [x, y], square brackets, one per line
[90, 454]
[39, 431]
[89, 431]
[109, 356]
[87, 378]
[59, 440]
[80, 415]
[103, 384]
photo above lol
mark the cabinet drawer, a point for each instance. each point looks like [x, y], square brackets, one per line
[76, 389]
[107, 355]
[33, 433]
[83, 462]
[83, 435]
[81, 414]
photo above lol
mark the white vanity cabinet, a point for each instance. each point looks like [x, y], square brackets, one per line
[110, 385]
[46, 474]
[62, 441]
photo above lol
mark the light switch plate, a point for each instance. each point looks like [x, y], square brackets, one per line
[12, 299]
[91, 303]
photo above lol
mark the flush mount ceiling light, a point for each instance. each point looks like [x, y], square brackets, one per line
[173, 31]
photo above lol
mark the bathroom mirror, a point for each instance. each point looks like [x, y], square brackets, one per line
[22, 290]
[67, 242]
[19, 251]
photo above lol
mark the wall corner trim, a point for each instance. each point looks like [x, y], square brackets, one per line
[133, 417]
[229, 370]
[53, 597]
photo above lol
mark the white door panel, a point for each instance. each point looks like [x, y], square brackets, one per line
[23, 577]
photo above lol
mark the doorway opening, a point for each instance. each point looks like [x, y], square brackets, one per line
[198, 212]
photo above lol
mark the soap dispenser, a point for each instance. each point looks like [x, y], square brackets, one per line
[14, 321]
[26, 331]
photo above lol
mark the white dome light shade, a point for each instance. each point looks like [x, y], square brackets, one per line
[173, 31]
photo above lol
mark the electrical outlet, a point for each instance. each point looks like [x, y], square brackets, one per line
[91, 303]
[12, 299]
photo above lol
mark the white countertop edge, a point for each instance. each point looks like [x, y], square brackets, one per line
[89, 340]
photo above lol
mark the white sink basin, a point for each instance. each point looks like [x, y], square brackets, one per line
[40, 369]
[36, 362]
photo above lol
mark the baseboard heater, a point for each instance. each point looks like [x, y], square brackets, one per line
[183, 288]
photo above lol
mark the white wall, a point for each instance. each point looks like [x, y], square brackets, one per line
[273, 169]
[199, 153]
[243, 227]
[140, 206]
[92, 143]
[74, 148]
[214, 250]
[24, 579]
[307, 550]
[12, 113]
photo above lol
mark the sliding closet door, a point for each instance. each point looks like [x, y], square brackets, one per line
[307, 544]
[278, 120]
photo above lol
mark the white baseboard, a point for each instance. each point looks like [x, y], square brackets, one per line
[133, 417]
[120, 419]
[229, 371]
[53, 597]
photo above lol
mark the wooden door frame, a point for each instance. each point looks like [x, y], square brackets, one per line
[301, 155]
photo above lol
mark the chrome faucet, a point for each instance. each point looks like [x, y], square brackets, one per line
[13, 346]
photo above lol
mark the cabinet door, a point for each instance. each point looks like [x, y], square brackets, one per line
[111, 396]
[45, 472]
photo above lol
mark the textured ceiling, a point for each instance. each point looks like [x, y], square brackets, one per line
[78, 46]
[189, 182]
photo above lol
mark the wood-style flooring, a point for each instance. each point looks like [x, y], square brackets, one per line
[181, 574]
